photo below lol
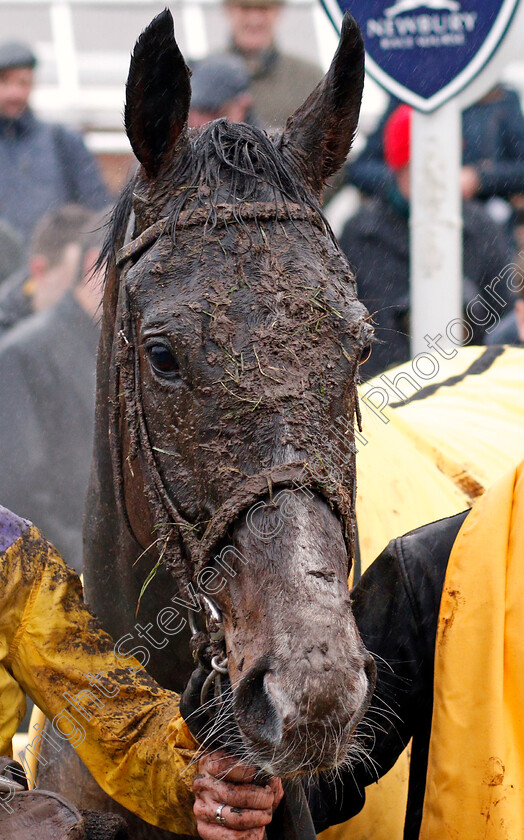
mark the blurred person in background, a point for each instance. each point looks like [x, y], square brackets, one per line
[51, 268]
[492, 160]
[376, 243]
[220, 88]
[511, 328]
[42, 165]
[11, 251]
[47, 390]
[280, 82]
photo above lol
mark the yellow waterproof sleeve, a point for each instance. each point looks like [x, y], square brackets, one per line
[475, 780]
[126, 728]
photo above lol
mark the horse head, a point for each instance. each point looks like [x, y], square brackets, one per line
[229, 357]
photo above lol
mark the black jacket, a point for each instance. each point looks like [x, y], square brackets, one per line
[493, 142]
[396, 607]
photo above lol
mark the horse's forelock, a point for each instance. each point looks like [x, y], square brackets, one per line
[243, 159]
[224, 161]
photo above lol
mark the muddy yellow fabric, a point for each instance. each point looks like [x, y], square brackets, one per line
[127, 729]
[475, 782]
[420, 460]
[436, 444]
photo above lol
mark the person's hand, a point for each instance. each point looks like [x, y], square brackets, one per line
[224, 788]
[469, 182]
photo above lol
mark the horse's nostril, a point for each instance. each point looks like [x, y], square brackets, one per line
[255, 709]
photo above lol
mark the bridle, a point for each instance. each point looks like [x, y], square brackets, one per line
[218, 667]
[184, 552]
[191, 554]
[221, 215]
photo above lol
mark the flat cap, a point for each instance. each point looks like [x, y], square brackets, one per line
[15, 54]
[218, 79]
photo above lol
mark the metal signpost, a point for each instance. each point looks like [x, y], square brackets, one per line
[433, 55]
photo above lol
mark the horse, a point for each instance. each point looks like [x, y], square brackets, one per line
[231, 340]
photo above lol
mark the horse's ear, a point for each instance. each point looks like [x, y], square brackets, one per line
[158, 93]
[320, 133]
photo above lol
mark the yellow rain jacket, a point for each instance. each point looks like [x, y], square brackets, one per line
[432, 452]
[475, 768]
[127, 730]
[475, 780]
[428, 450]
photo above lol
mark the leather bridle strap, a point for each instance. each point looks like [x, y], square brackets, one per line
[295, 476]
[138, 245]
[292, 819]
[220, 216]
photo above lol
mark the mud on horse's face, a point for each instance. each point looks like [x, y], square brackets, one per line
[238, 340]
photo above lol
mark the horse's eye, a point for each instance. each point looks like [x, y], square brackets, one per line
[162, 360]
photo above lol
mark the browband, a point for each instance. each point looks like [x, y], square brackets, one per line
[220, 216]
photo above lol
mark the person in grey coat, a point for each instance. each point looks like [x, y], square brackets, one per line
[11, 251]
[47, 394]
[279, 82]
[42, 165]
[220, 88]
[51, 266]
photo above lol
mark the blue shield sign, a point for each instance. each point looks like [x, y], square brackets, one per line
[426, 53]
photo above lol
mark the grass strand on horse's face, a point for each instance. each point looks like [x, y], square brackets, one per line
[230, 346]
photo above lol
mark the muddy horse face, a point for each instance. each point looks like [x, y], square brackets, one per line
[233, 336]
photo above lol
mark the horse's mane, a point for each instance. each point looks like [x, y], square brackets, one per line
[223, 162]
